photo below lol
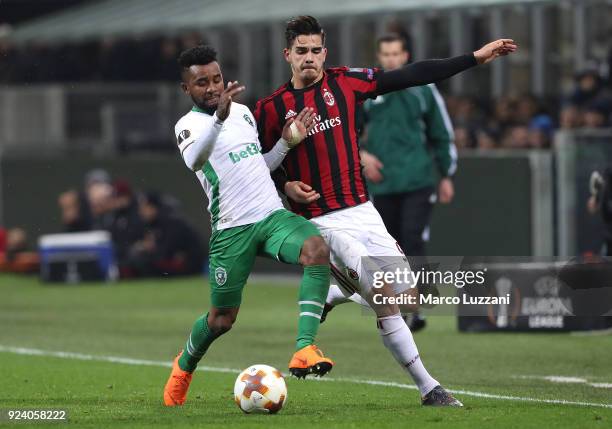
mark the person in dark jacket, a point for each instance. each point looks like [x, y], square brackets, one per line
[170, 245]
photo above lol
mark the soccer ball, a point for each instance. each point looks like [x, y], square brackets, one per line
[260, 389]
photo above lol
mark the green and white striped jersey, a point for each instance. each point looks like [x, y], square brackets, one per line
[235, 177]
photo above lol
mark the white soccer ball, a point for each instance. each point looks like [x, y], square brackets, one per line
[260, 389]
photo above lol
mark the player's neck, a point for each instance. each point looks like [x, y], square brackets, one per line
[301, 84]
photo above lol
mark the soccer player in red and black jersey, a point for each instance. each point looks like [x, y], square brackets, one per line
[323, 179]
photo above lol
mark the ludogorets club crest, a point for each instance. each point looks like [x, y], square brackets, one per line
[220, 276]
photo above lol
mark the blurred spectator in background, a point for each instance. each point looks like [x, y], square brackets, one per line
[541, 129]
[589, 86]
[75, 213]
[595, 115]
[99, 194]
[166, 67]
[570, 117]
[485, 139]
[600, 202]
[14, 254]
[516, 137]
[170, 245]
[148, 236]
[126, 227]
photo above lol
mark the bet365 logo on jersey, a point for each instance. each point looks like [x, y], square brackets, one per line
[249, 150]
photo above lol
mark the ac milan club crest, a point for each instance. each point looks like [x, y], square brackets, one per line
[328, 97]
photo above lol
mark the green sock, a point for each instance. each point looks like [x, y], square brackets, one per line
[313, 292]
[197, 344]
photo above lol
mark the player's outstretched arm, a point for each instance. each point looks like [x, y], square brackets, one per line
[295, 130]
[431, 71]
[196, 152]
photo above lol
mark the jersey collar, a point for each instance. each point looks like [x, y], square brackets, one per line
[209, 111]
[306, 88]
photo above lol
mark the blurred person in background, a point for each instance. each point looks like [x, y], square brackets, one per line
[76, 205]
[516, 137]
[409, 144]
[168, 52]
[100, 198]
[127, 227]
[503, 115]
[464, 138]
[570, 117]
[595, 115]
[170, 246]
[74, 211]
[589, 86]
[541, 129]
[600, 202]
[486, 139]
[14, 253]
[8, 59]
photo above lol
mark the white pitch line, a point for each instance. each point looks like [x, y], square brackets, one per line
[565, 379]
[131, 361]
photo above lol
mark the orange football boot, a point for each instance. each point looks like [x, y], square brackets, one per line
[175, 392]
[309, 360]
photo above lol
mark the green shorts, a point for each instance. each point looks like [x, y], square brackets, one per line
[233, 251]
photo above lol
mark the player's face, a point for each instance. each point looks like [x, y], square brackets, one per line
[204, 84]
[306, 57]
[391, 55]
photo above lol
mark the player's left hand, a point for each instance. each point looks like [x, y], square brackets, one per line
[446, 191]
[495, 49]
[296, 129]
[300, 192]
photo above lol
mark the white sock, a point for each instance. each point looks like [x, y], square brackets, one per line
[356, 298]
[336, 295]
[396, 337]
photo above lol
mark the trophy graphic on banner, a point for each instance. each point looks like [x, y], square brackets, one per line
[503, 286]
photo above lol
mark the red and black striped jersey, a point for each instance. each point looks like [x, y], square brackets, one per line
[328, 159]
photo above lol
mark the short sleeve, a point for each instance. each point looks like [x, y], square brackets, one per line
[363, 81]
[186, 133]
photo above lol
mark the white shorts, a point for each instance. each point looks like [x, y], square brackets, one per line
[359, 245]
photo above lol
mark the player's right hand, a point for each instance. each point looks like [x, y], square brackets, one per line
[225, 100]
[296, 129]
[300, 192]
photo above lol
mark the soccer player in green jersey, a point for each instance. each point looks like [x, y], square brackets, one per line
[218, 140]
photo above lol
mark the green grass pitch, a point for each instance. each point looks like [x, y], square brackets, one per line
[149, 320]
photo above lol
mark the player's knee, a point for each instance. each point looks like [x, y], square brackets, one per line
[314, 252]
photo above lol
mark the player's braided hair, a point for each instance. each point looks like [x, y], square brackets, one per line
[302, 25]
[198, 55]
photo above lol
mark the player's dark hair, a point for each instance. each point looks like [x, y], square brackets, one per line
[303, 25]
[198, 55]
[392, 37]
